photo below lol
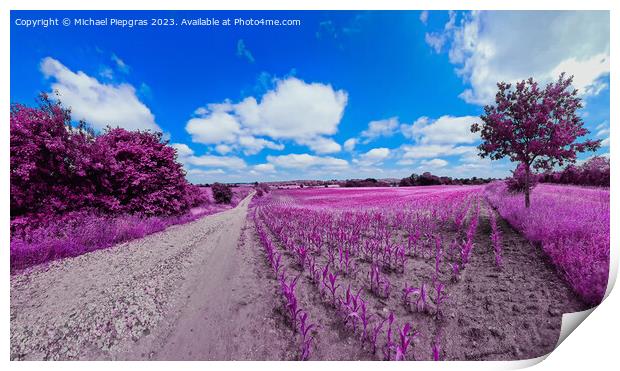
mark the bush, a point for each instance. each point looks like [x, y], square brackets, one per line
[261, 189]
[222, 194]
[58, 168]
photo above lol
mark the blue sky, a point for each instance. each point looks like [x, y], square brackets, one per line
[343, 94]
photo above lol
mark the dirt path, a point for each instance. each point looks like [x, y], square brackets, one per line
[183, 293]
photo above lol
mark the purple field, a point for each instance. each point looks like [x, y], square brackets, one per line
[436, 272]
[571, 224]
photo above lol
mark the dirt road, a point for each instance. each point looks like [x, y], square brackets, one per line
[177, 294]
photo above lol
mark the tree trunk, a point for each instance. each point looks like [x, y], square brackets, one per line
[527, 185]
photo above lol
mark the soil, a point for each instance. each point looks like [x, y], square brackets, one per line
[204, 291]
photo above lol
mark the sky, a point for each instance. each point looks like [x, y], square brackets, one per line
[333, 95]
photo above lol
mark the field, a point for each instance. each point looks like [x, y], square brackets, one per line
[403, 273]
[429, 273]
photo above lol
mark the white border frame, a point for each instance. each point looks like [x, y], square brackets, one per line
[592, 345]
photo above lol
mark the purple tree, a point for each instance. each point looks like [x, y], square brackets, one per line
[535, 126]
[59, 166]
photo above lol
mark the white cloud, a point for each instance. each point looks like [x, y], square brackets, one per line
[183, 150]
[494, 46]
[424, 16]
[602, 129]
[304, 161]
[98, 104]
[253, 145]
[605, 142]
[374, 156]
[349, 144]
[321, 145]
[294, 110]
[223, 149]
[202, 172]
[446, 129]
[437, 40]
[380, 128]
[306, 113]
[434, 163]
[228, 162]
[120, 64]
[434, 150]
[405, 162]
[265, 167]
[214, 128]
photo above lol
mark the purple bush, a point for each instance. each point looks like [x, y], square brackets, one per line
[222, 193]
[57, 167]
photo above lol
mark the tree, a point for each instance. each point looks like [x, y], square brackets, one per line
[533, 126]
[222, 194]
[57, 168]
[139, 173]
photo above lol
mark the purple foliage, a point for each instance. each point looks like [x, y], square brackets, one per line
[571, 224]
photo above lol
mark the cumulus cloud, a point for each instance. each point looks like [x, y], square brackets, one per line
[434, 163]
[97, 103]
[305, 113]
[214, 128]
[228, 162]
[380, 128]
[294, 110]
[265, 168]
[493, 46]
[305, 160]
[446, 129]
[434, 150]
[223, 149]
[183, 149]
[349, 144]
[203, 172]
[373, 156]
[321, 145]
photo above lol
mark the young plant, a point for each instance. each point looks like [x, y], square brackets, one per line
[440, 297]
[302, 255]
[405, 341]
[436, 348]
[333, 287]
[455, 271]
[306, 336]
[375, 334]
[389, 344]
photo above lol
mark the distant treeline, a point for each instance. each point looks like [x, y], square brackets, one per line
[368, 182]
[594, 172]
[427, 179]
